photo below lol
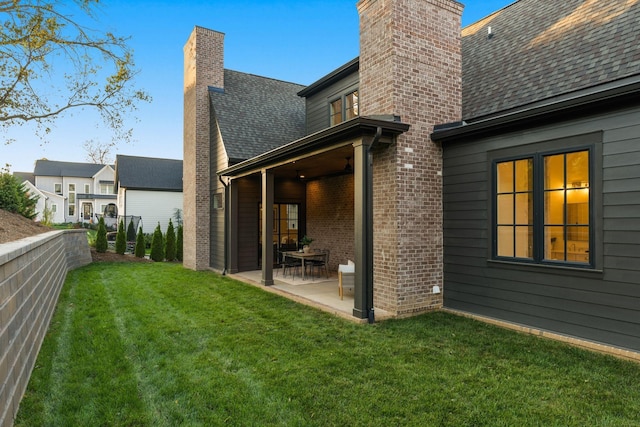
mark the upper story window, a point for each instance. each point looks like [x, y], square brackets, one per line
[87, 188]
[344, 108]
[57, 188]
[106, 188]
[543, 208]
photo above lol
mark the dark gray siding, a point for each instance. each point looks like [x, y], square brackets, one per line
[318, 104]
[288, 191]
[602, 304]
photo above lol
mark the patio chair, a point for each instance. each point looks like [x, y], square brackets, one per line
[290, 264]
[321, 262]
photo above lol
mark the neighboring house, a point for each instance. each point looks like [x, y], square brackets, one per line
[149, 188]
[492, 170]
[77, 192]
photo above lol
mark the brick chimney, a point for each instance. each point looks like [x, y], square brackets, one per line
[410, 66]
[203, 67]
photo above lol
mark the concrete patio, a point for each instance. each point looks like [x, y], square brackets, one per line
[318, 292]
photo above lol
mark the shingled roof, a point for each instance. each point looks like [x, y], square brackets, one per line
[54, 168]
[541, 48]
[257, 114]
[148, 173]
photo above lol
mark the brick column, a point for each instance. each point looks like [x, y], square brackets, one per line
[203, 67]
[410, 66]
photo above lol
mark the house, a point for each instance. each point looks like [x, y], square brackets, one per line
[75, 192]
[492, 170]
[149, 188]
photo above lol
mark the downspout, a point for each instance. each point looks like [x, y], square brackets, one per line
[226, 223]
[376, 139]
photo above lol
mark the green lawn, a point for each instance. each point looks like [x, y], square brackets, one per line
[158, 345]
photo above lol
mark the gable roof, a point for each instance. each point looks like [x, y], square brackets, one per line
[25, 176]
[540, 49]
[54, 168]
[148, 173]
[257, 114]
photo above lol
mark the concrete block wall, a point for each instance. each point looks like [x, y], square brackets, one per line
[32, 272]
[410, 66]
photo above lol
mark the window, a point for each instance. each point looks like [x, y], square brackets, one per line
[54, 208]
[72, 199]
[106, 188]
[87, 189]
[57, 188]
[217, 201]
[543, 208]
[344, 108]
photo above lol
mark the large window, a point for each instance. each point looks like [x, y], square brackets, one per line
[72, 199]
[344, 108]
[543, 208]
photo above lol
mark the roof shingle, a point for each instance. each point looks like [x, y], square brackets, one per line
[148, 173]
[543, 48]
[257, 114]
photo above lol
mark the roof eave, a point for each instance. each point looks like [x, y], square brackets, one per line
[616, 94]
[344, 131]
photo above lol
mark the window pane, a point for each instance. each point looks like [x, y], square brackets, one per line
[336, 111]
[524, 175]
[554, 172]
[505, 209]
[554, 207]
[505, 241]
[352, 105]
[554, 243]
[524, 208]
[505, 177]
[524, 242]
[578, 169]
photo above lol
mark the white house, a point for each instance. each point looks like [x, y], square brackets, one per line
[78, 192]
[150, 188]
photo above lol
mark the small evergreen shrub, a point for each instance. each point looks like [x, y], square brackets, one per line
[170, 243]
[140, 244]
[121, 239]
[157, 246]
[179, 243]
[131, 232]
[101, 237]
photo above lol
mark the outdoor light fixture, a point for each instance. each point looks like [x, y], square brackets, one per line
[348, 167]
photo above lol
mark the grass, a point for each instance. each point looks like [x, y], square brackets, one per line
[158, 345]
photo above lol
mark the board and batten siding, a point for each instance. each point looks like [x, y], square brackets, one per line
[317, 105]
[154, 207]
[601, 305]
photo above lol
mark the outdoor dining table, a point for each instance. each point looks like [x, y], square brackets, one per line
[304, 256]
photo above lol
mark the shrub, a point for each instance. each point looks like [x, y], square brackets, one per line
[140, 244]
[179, 244]
[157, 246]
[101, 237]
[170, 243]
[121, 239]
[15, 198]
[131, 232]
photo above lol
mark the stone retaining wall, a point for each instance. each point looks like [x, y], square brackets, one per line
[32, 272]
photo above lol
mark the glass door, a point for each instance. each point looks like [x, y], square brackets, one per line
[285, 228]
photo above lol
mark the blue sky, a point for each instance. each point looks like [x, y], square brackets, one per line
[295, 40]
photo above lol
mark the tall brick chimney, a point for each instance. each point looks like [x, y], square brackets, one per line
[203, 67]
[410, 66]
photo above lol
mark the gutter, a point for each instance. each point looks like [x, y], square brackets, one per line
[614, 94]
[226, 225]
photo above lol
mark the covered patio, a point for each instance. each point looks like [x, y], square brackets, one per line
[328, 176]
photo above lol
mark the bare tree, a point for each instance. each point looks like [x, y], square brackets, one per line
[98, 152]
[50, 64]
